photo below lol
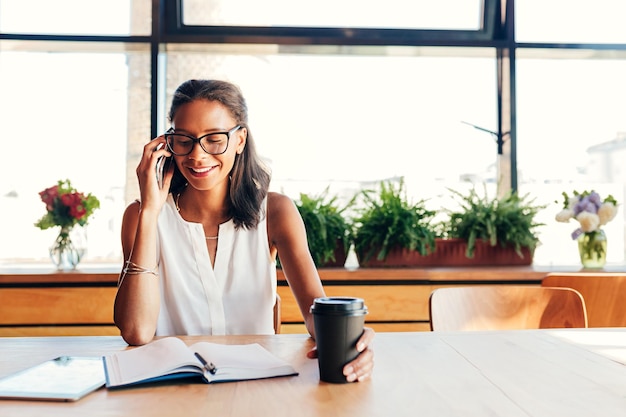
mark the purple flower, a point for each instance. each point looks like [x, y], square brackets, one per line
[595, 199]
[576, 233]
[585, 205]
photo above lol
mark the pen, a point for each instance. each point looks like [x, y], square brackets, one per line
[206, 365]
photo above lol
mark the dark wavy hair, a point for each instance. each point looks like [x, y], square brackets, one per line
[250, 177]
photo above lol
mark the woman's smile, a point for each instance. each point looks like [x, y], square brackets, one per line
[200, 172]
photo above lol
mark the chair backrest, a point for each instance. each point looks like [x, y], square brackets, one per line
[277, 315]
[497, 307]
[604, 294]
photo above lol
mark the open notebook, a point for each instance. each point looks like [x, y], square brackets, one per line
[170, 358]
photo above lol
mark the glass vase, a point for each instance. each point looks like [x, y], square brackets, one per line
[592, 249]
[68, 249]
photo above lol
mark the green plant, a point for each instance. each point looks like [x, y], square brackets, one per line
[507, 221]
[388, 220]
[326, 225]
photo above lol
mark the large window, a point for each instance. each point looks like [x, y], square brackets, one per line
[65, 115]
[70, 109]
[572, 136]
[336, 99]
[362, 115]
[570, 107]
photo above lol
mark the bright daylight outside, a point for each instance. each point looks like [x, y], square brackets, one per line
[344, 119]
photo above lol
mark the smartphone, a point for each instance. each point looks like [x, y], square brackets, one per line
[160, 169]
[161, 166]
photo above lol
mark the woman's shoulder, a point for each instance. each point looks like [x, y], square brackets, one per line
[133, 208]
[277, 202]
[283, 218]
[280, 207]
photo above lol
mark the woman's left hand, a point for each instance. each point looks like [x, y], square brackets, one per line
[360, 368]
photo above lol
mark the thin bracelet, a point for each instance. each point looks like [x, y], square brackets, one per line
[134, 269]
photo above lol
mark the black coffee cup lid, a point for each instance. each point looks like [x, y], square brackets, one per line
[339, 305]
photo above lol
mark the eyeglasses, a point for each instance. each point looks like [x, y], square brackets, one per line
[214, 143]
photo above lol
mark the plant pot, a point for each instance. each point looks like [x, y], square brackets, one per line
[340, 255]
[451, 252]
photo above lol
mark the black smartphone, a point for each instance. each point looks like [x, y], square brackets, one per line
[161, 166]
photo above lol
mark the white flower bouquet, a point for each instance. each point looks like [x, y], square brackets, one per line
[589, 209]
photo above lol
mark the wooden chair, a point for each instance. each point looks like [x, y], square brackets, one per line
[604, 294]
[277, 316]
[496, 307]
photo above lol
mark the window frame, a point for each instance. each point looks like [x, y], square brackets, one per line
[174, 30]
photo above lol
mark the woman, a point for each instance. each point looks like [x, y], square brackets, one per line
[202, 243]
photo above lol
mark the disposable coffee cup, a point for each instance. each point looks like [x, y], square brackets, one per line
[338, 326]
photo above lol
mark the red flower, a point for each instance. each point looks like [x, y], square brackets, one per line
[74, 201]
[66, 207]
[77, 211]
[49, 195]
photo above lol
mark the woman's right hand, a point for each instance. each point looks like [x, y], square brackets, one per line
[153, 190]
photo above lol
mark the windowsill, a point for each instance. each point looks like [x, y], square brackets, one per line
[115, 267]
[48, 268]
[108, 274]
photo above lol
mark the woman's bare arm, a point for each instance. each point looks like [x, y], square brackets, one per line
[288, 236]
[137, 301]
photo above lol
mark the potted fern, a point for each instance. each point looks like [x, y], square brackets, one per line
[389, 230]
[492, 231]
[329, 233]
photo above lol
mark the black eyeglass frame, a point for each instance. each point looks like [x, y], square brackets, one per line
[170, 132]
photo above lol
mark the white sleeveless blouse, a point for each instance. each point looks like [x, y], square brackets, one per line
[236, 296]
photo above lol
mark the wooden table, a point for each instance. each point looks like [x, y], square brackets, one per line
[510, 373]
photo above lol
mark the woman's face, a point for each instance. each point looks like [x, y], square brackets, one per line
[197, 118]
